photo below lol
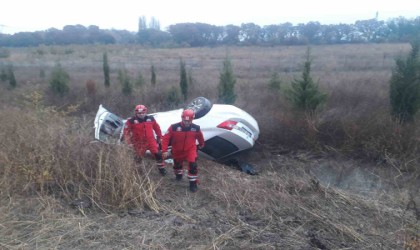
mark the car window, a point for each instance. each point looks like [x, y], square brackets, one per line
[110, 128]
[218, 147]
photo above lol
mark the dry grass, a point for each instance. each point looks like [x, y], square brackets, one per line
[58, 189]
[56, 154]
[285, 207]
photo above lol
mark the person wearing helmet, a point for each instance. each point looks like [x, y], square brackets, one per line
[139, 131]
[183, 137]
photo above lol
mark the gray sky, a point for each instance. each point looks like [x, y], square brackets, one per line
[34, 15]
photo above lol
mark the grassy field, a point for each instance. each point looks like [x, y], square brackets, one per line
[346, 177]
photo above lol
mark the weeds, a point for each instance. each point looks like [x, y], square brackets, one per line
[51, 154]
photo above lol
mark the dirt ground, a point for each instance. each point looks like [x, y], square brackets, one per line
[297, 201]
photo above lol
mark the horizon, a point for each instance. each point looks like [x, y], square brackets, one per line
[4, 29]
[45, 14]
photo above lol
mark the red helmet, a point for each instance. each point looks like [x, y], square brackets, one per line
[141, 109]
[188, 115]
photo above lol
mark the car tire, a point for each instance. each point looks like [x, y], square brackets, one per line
[200, 105]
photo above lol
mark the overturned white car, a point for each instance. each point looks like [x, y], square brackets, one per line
[227, 129]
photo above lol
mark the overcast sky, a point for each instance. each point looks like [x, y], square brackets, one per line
[35, 15]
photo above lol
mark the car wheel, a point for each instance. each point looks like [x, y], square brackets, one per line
[200, 105]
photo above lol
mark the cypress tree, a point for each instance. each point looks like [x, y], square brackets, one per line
[184, 81]
[153, 78]
[304, 93]
[227, 80]
[107, 82]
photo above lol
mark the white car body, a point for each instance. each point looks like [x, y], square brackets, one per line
[227, 129]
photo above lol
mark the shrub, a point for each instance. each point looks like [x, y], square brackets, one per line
[140, 80]
[91, 88]
[59, 82]
[173, 97]
[12, 79]
[4, 53]
[3, 75]
[40, 52]
[275, 81]
[42, 73]
[405, 87]
[124, 78]
[68, 51]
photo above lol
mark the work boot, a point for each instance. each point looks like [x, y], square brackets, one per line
[178, 177]
[162, 171]
[193, 186]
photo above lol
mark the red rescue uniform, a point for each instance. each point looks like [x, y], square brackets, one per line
[183, 141]
[140, 133]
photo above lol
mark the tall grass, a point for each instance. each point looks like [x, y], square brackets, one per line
[46, 151]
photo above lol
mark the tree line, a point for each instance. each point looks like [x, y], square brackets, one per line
[201, 34]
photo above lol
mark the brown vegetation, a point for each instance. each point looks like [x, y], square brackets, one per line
[60, 189]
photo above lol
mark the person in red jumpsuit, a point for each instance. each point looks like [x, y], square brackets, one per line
[182, 136]
[139, 131]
